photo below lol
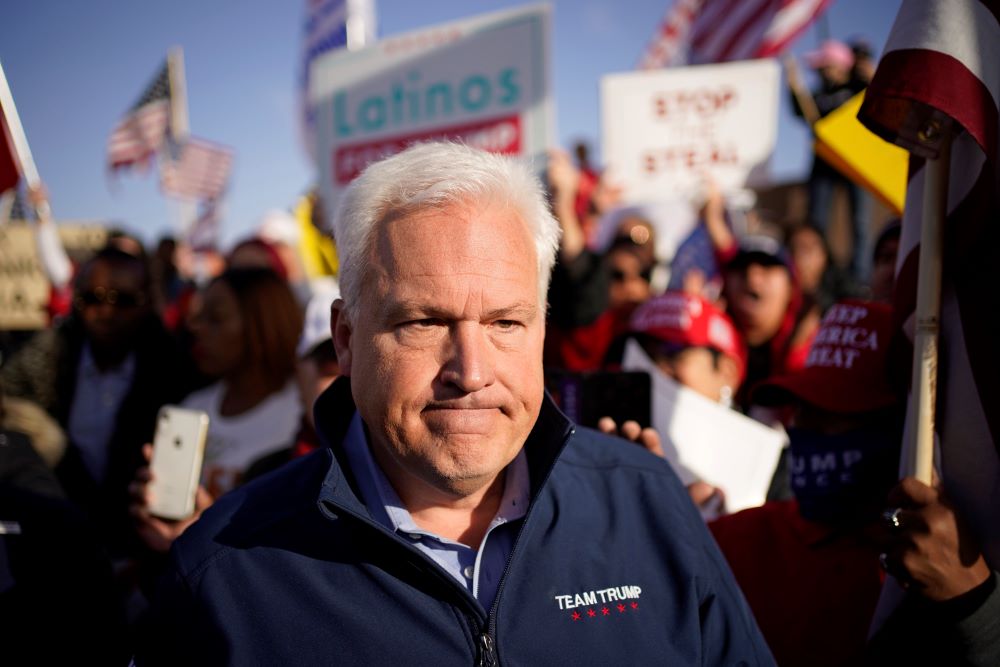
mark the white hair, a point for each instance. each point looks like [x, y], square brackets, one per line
[432, 176]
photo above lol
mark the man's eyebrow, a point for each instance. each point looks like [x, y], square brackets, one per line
[519, 311]
[406, 310]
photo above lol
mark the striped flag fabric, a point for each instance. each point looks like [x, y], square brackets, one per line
[697, 32]
[940, 73]
[196, 169]
[203, 234]
[144, 128]
[329, 25]
[10, 172]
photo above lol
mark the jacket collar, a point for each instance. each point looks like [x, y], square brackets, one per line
[335, 407]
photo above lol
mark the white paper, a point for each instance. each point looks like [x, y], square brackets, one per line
[706, 441]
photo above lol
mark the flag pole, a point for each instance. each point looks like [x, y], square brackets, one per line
[179, 124]
[178, 93]
[22, 152]
[928, 313]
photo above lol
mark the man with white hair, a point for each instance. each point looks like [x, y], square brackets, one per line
[456, 516]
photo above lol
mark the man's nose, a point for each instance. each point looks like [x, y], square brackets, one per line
[470, 363]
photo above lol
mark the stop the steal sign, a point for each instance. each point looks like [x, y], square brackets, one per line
[665, 130]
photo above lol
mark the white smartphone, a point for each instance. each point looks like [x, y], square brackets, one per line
[178, 450]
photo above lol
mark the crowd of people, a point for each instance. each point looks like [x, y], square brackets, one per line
[456, 491]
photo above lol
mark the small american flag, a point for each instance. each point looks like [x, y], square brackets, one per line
[696, 32]
[329, 25]
[198, 169]
[203, 234]
[10, 170]
[141, 133]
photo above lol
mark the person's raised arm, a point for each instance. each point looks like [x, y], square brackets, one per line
[564, 178]
[53, 258]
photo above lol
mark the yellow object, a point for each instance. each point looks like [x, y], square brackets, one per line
[862, 156]
[318, 252]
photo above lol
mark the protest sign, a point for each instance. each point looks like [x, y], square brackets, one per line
[24, 291]
[863, 156]
[483, 80]
[664, 131]
[706, 441]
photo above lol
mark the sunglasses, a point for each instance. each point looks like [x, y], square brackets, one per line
[619, 276]
[112, 297]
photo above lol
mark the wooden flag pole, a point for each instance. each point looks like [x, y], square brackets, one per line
[928, 314]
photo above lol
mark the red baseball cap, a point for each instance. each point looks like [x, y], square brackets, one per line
[691, 321]
[846, 369]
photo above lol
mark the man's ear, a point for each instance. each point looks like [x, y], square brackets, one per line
[340, 329]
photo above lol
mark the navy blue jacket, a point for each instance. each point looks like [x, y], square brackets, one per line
[612, 565]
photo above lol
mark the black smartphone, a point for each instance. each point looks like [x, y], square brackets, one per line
[588, 396]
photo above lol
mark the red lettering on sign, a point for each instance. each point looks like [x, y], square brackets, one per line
[500, 135]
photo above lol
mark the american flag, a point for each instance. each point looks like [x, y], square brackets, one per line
[141, 133]
[330, 24]
[10, 170]
[196, 169]
[10, 173]
[941, 70]
[696, 32]
[203, 234]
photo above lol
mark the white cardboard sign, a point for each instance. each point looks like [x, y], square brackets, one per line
[664, 131]
[706, 441]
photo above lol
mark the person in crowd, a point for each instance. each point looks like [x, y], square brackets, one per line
[102, 374]
[245, 334]
[455, 504]
[693, 342]
[592, 294]
[169, 286]
[809, 566]
[58, 601]
[128, 243]
[822, 282]
[834, 63]
[761, 291]
[764, 300]
[52, 257]
[884, 261]
[316, 368]
[949, 611]
[863, 69]
[255, 252]
[281, 230]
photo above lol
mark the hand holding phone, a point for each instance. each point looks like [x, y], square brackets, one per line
[178, 451]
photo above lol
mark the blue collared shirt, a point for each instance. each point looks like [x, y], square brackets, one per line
[94, 412]
[479, 571]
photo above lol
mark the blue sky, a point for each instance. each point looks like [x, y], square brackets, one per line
[75, 67]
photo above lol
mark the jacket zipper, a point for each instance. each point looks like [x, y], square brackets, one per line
[487, 640]
[487, 651]
[485, 646]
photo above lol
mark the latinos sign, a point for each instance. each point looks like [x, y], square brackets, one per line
[410, 102]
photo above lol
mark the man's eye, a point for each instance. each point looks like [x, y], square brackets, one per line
[425, 323]
[506, 325]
